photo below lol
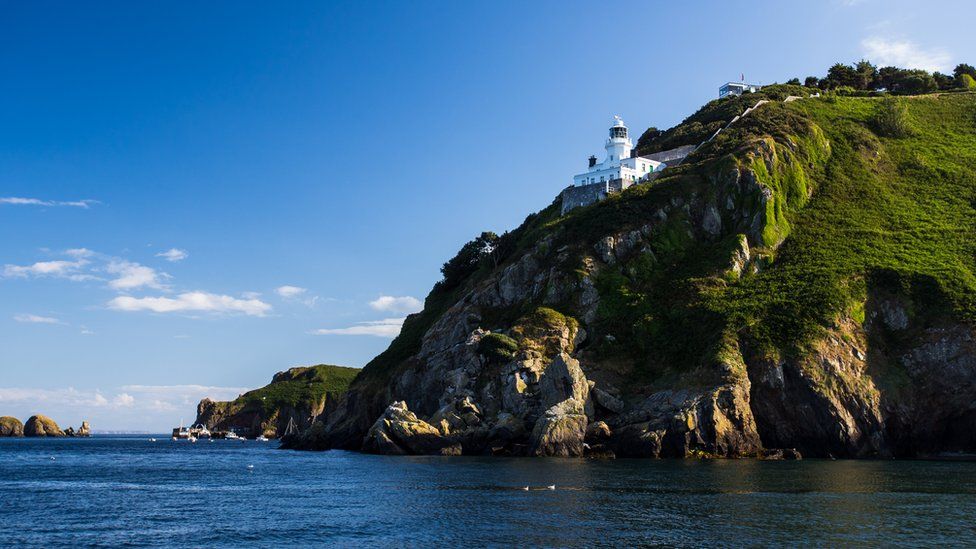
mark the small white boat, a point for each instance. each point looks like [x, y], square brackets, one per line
[152, 440]
[231, 435]
[261, 438]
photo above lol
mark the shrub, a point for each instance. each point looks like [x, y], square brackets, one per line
[967, 82]
[498, 347]
[891, 119]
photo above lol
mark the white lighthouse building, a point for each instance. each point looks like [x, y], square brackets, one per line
[620, 165]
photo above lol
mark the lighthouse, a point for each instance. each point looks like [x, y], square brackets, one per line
[620, 168]
[618, 145]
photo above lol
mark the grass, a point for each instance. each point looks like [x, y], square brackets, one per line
[299, 385]
[854, 203]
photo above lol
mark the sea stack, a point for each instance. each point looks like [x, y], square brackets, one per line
[42, 426]
[11, 427]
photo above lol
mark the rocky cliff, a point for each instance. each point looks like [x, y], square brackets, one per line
[11, 427]
[42, 426]
[298, 394]
[803, 281]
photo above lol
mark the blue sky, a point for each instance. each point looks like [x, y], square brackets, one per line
[195, 196]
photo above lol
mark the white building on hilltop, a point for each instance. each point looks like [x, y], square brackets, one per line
[620, 164]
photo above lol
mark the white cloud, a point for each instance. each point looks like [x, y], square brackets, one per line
[124, 400]
[68, 397]
[905, 54]
[191, 302]
[296, 293]
[20, 201]
[35, 319]
[404, 304]
[133, 275]
[173, 255]
[79, 252]
[86, 331]
[290, 291]
[58, 269]
[388, 327]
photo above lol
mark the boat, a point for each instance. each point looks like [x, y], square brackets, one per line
[192, 438]
[261, 438]
[231, 435]
[181, 432]
[200, 431]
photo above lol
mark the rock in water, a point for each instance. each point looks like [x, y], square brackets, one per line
[560, 431]
[42, 426]
[399, 431]
[84, 430]
[11, 427]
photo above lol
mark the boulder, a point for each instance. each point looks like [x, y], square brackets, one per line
[42, 426]
[560, 431]
[11, 427]
[399, 431]
[84, 430]
[598, 432]
[607, 401]
[563, 380]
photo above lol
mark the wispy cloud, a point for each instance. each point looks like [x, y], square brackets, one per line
[906, 54]
[192, 302]
[36, 319]
[403, 304]
[388, 327]
[130, 275]
[54, 269]
[297, 293]
[173, 255]
[21, 201]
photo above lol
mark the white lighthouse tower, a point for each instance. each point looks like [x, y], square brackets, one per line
[620, 169]
[618, 145]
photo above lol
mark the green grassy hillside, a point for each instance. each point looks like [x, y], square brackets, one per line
[299, 385]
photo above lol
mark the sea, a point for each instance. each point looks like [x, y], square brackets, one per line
[129, 491]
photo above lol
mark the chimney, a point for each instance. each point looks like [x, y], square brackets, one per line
[592, 161]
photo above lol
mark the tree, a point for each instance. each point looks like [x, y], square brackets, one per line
[963, 68]
[943, 81]
[866, 75]
[913, 82]
[793, 82]
[967, 82]
[468, 259]
[811, 82]
[886, 77]
[841, 75]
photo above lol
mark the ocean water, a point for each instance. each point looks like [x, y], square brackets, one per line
[127, 491]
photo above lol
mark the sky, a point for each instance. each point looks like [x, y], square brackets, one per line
[194, 196]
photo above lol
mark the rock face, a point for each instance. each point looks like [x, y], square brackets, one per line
[42, 426]
[296, 396]
[11, 427]
[599, 334]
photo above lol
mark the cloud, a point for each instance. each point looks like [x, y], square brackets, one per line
[124, 400]
[290, 291]
[388, 327]
[173, 255]
[55, 269]
[296, 293]
[20, 201]
[133, 275]
[35, 319]
[905, 54]
[404, 304]
[66, 397]
[79, 252]
[191, 302]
